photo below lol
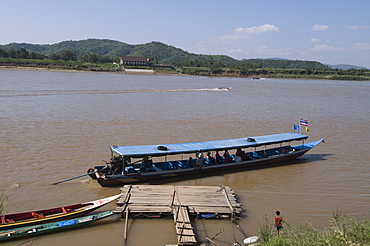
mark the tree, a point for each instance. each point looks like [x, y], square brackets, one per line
[91, 57]
[3, 53]
[68, 55]
[54, 56]
[12, 53]
[22, 53]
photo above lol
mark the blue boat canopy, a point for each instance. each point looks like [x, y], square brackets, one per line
[180, 148]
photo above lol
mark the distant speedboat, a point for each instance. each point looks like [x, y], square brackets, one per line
[223, 88]
[255, 78]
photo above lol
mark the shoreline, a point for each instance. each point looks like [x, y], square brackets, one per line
[84, 71]
[40, 68]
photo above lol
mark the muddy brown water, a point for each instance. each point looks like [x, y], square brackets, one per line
[55, 125]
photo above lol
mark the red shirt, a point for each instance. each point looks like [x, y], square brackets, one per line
[278, 220]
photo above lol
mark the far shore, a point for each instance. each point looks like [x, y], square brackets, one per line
[85, 71]
[174, 73]
[118, 72]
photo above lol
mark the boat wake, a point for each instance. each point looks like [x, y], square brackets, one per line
[218, 89]
[85, 181]
[31, 93]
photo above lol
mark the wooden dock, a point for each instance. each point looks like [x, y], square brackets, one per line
[184, 229]
[179, 201]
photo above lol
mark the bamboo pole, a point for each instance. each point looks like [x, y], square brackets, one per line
[227, 199]
[212, 241]
[126, 223]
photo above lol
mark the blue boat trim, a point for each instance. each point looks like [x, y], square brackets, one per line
[28, 231]
[67, 223]
[152, 163]
[173, 149]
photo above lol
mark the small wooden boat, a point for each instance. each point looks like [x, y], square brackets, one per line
[34, 230]
[173, 160]
[10, 221]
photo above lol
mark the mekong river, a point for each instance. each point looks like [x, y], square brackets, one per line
[55, 125]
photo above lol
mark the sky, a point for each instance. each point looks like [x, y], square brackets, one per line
[329, 31]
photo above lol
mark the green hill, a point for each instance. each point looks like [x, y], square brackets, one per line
[286, 64]
[346, 67]
[158, 52]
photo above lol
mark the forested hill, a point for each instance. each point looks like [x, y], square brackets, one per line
[158, 52]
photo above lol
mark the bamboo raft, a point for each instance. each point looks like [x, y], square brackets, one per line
[181, 202]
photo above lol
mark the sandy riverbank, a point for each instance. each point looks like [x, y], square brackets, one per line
[127, 71]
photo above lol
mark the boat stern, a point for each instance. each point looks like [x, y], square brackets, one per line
[307, 146]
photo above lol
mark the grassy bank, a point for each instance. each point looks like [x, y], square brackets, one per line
[342, 231]
[330, 74]
[59, 64]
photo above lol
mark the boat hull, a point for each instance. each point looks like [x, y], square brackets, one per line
[53, 214]
[35, 230]
[283, 159]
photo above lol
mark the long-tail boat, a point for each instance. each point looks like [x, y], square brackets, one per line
[34, 230]
[11, 221]
[130, 164]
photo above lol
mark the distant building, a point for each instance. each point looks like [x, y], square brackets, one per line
[135, 61]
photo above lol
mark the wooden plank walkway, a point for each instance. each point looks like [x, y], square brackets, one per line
[184, 228]
[180, 201]
[159, 199]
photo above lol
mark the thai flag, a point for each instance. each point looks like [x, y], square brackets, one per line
[303, 122]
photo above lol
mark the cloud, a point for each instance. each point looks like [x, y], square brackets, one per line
[233, 36]
[257, 29]
[303, 53]
[314, 40]
[353, 27]
[263, 50]
[318, 27]
[324, 47]
[362, 46]
[244, 32]
[236, 51]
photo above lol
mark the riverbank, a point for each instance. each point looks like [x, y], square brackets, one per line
[254, 73]
[115, 69]
[342, 231]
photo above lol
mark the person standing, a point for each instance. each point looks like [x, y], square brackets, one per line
[200, 159]
[278, 222]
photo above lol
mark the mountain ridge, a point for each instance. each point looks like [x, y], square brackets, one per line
[160, 53]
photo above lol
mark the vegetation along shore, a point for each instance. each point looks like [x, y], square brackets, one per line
[342, 231]
[104, 56]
